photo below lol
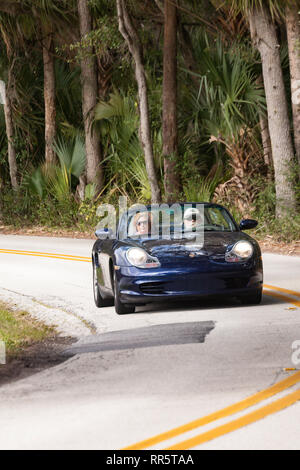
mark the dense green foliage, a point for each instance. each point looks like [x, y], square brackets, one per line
[220, 101]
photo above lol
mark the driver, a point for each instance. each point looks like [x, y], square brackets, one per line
[192, 219]
[142, 223]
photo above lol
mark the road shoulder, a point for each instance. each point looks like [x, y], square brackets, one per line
[27, 345]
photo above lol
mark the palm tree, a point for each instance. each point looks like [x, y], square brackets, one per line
[52, 20]
[133, 42]
[170, 137]
[12, 161]
[40, 21]
[94, 172]
[293, 35]
[49, 98]
[21, 68]
[261, 14]
[8, 108]
[227, 111]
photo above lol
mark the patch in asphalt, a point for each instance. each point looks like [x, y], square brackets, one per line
[145, 337]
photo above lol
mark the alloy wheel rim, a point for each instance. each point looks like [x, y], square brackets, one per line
[95, 282]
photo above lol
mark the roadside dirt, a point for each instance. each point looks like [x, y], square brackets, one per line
[34, 358]
[45, 232]
[269, 245]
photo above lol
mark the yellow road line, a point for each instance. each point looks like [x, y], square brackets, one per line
[233, 408]
[281, 289]
[228, 411]
[39, 253]
[283, 297]
[46, 255]
[256, 415]
[53, 256]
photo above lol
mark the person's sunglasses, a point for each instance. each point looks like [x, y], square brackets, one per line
[191, 217]
[144, 222]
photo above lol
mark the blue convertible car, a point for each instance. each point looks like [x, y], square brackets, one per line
[160, 253]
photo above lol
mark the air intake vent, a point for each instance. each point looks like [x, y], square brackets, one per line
[152, 288]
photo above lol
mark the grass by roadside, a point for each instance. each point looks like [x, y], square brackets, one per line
[18, 330]
[30, 345]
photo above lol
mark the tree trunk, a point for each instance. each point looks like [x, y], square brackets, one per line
[8, 113]
[186, 47]
[171, 178]
[12, 162]
[293, 35]
[266, 142]
[264, 37]
[49, 98]
[94, 171]
[265, 135]
[130, 35]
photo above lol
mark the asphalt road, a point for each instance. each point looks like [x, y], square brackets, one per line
[130, 378]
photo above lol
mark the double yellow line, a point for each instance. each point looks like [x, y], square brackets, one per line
[278, 292]
[47, 255]
[225, 412]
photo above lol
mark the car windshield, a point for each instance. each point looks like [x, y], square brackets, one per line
[176, 221]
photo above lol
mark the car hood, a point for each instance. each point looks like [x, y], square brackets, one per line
[216, 242]
[176, 251]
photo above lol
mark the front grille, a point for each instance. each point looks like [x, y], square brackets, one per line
[236, 283]
[152, 288]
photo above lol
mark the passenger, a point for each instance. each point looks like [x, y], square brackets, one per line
[192, 219]
[142, 223]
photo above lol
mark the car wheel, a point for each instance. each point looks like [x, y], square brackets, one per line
[251, 299]
[99, 300]
[120, 308]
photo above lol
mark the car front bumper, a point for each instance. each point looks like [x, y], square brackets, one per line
[178, 283]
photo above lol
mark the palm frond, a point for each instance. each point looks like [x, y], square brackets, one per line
[34, 182]
[59, 183]
[276, 7]
[64, 151]
[78, 159]
[71, 155]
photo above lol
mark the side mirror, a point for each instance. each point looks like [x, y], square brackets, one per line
[247, 224]
[104, 233]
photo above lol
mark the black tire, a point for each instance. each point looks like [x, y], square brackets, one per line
[99, 300]
[251, 299]
[120, 308]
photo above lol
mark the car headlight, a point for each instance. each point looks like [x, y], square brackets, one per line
[141, 259]
[241, 251]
